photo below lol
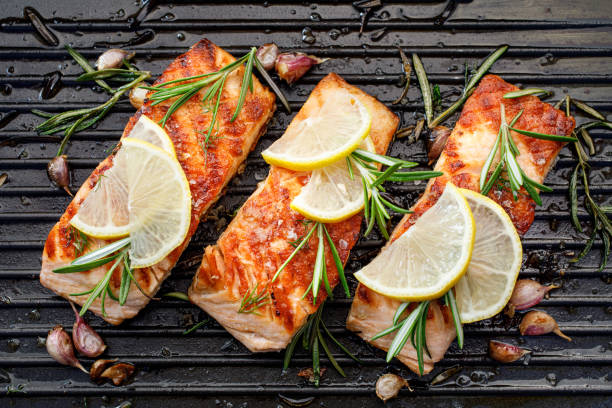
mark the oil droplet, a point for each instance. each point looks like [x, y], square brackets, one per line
[13, 345]
[34, 315]
[548, 59]
[552, 379]
[180, 36]
[168, 17]
[315, 17]
[384, 15]
[165, 352]
[463, 381]
[334, 34]
[307, 36]
[6, 89]
[41, 342]
[11, 70]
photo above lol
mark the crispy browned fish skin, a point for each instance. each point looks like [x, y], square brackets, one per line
[256, 243]
[207, 177]
[461, 161]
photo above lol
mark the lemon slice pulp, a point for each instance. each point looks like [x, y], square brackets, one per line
[430, 257]
[488, 283]
[331, 195]
[159, 202]
[330, 133]
[104, 212]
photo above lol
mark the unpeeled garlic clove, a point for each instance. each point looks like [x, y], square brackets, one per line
[59, 172]
[536, 323]
[59, 346]
[527, 293]
[113, 58]
[119, 373]
[437, 141]
[138, 96]
[267, 54]
[389, 385]
[86, 340]
[291, 66]
[504, 352]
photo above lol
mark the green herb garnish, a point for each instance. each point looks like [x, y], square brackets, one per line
[413, 327]
[312, 337]
[253, 300]
[527, 91]
[406, 69]
[116, 252]
[506, 149]
[77, 120]
[195, 327]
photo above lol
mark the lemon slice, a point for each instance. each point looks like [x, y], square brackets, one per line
[104, 212]
[331, 195]
[487, 285]
[330, 132]
[148, 130]
[430, 257]
[159, 202]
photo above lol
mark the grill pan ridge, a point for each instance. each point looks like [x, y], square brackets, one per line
[562, 46]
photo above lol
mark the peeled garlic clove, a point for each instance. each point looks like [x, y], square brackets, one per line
[536, 323]
[59, 346]
[119, 373]
[266, 54]
[86, 340]
[98, 367]
[138, 96]
[113, 58]
[59, 172]
[528, 293]
[504, 352]
[291, 66]
[437, 141]
[389, 385]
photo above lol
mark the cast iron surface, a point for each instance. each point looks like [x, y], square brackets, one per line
[562, 46]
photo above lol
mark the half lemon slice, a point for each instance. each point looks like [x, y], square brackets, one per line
[430, 257]
[104, 212]
[487, 285]
[329, 133]
[331, 194]
[159, 202]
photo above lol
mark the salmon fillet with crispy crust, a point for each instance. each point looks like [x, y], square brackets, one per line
[257, 242]
[461, 161]
[207, 176]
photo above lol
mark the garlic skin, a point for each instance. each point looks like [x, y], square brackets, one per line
[138, 96]
[389, 385]
[113, 58]
[527, 293]
[86, 340]
[436, 143]
[267, 54]
[59, 346]
[504, 352]
[291, 66]
[98, 367]
[536, 323]
[119, 373]
[59, 172]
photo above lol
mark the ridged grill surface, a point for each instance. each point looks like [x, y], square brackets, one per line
[562, 46]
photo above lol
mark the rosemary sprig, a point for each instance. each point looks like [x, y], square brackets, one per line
[527, 91]
[470, 86]
[506, 149]
[253, 300]
[183, 89]
[77, 120]
[600, 222]
[413, 327]
[116, 252]
[312, 336]
[375, 204]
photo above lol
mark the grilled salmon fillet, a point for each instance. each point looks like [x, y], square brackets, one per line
[257, 242]
[208, 173]
[461, 162]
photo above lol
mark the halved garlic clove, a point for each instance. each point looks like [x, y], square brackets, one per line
[504, 352]
[291, 66]
[267, 54]
[389, 385]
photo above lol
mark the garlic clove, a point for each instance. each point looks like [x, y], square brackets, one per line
[119, 373]
[59, 346]
[59, 172]
[138, 96]
[113, 58]
[98, 367]
[504, 352]
[267, 54]
[86, 340]
[536, 323]
[389, 385]
[291, 66]
[437, 141]
[528, 293]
